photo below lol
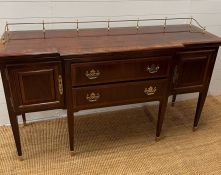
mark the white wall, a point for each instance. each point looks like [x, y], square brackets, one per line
[208, 12]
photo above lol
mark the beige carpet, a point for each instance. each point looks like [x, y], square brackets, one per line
[121, 143]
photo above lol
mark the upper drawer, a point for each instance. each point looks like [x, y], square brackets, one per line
[120, 70]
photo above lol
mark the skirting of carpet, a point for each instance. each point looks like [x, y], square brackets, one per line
[121, 143]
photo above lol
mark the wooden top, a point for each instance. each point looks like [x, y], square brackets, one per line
[91, 41]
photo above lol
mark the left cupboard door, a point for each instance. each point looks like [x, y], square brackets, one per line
[36, 86]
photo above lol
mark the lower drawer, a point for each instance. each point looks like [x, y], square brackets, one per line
[118, 94]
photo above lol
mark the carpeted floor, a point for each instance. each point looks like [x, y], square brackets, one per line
[121, 143]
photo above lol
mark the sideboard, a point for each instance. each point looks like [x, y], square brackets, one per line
[93, 68]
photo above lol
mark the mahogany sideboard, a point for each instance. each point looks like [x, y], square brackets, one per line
[95, 68]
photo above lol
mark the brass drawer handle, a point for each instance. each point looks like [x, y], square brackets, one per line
[60, 85]
[93, 97]
[153, 68]
[150, 91]
[92, 74]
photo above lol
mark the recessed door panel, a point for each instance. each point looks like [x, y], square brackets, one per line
[192, 71]
[192, 68]
[36, 86]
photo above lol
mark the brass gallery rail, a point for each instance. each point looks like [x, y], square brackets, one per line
[6, 35]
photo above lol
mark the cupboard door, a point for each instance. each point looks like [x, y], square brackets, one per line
[192, 69]
[36, 86]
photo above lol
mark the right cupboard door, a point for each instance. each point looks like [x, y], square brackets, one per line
[193, 69]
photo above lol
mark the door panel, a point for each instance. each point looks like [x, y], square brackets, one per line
[192, 69]
[36, 86]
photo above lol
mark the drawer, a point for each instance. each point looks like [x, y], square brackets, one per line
[118, 93]
[121, 70]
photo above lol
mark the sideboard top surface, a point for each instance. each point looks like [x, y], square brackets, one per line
[91, 41]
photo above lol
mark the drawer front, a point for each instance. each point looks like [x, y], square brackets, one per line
[122, 70]
[118, 94]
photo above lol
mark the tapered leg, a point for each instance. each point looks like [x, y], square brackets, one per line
[200, 104]
[161, 114]
[173, 99]
[24, 119]
[12, 117]
[15, 130]
[71, 131]
[69, 103]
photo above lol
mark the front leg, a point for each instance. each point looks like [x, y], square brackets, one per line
[12, 116]
[69, 104]
[71, 131]
[200, 104]
[161, 114]
[16, 134]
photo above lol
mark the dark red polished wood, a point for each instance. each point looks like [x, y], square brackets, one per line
[98, 68]
[118, 93]
[35, 85]
[109, 71]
